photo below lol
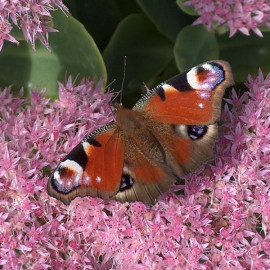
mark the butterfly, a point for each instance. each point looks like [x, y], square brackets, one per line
[169, 132]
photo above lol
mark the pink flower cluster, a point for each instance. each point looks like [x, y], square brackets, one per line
[222, 221]
[33, 139]
[238, 15]
[32, 16]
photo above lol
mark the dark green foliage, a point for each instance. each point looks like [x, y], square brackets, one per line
[156, 36]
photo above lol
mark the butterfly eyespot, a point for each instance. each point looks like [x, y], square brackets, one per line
[206, 76]
[98, 179]
[126, 182]
[68, 169]
[191, 132]
[57, 177]
[196, 132]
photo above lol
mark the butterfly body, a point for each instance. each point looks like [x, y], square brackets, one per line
[169, 132]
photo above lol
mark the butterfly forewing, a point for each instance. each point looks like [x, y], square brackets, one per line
[93, 167]
[190, 98]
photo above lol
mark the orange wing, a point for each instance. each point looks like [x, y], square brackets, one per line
[170, 131]
[94, 167]
[181, 115]
[190, 98]
[143, 180]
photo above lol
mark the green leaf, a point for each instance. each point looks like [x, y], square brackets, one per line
[15, 65]
[17, 33]
[246, 54]
[168, 72]
[73, 52]
[101, 17]
[265, 28]
[88, 13]
[147, 52]
[166, 15]
[187, 9]
[194, 45]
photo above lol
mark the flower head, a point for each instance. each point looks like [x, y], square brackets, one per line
[32, 16]
[238, 15]
[221, 220]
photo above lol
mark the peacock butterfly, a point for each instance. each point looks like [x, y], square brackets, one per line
[169, 132]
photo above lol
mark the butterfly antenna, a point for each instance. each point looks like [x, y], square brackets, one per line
[123, 80]
[108, 86]
[120, 92]
[111, 91]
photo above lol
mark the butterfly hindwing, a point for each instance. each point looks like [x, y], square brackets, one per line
[191, 146]
[146, 174]
[148, 181]
[93, 167]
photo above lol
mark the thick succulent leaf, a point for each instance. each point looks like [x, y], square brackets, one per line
[147, 54]
[246, 54]
[187, 9]
[194, 45]
[166, 16]
[73, 52]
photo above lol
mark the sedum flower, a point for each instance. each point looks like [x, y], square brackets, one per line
[220, 222]
[238, 15]
[33, 17]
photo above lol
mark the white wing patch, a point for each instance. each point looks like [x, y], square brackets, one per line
[197, 80]
[62, 182]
